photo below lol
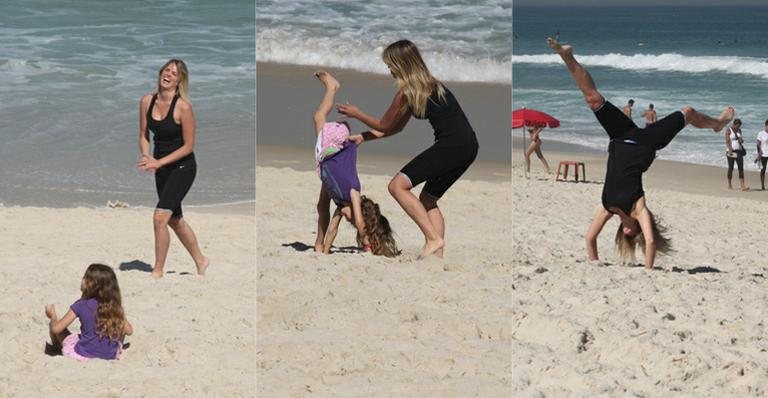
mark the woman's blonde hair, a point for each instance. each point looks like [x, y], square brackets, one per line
[405, 62]
[100, 283]
[626, 245]
[183, 88]
[377, 228]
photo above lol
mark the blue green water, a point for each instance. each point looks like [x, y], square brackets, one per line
[461, 40]
[72, 73]
[706, 57]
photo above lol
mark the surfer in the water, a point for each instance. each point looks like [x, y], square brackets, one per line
[630, 152]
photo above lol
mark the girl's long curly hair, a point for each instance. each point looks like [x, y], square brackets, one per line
[100, 283]
[377, 228]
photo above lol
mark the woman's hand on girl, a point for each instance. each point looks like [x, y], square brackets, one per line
[356, 138]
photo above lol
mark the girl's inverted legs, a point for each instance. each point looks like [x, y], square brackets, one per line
[331, 86]
[323, 218]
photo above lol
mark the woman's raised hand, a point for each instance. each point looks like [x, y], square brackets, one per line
[348, 110]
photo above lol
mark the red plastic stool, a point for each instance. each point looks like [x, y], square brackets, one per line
[575, 165]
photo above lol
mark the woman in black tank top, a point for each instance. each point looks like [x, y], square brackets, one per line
[630, 153]
[168, 115]
[441, 165]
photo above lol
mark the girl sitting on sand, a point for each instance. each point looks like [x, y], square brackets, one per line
[102, 319]
[337, 166]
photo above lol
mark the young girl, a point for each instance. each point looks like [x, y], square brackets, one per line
[102, 320]
[337, 166]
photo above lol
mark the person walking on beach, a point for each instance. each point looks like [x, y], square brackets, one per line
[423, 96]
[628, 108]
[630, 153]
[735, 153]
[168, 114]
[649, 115]
[102, 320]
[337, 165]
[535, 146]
[762, 152]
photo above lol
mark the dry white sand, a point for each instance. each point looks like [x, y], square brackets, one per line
[193, 336]
[357, 325]
[693, 327]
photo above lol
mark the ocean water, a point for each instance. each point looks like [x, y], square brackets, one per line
[460, 40]
[72, 74]
[705, 57]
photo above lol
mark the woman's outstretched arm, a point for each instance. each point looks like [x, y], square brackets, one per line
[366, 136]
[601, 217]
[392, 122]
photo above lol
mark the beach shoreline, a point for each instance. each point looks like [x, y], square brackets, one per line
[302, 159]
[663, 174]
[287, 96]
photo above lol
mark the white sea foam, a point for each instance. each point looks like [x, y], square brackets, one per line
[281, 47]
[670, 62]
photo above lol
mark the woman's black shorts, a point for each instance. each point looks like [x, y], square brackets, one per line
[657, 134]
[440, 167]
[173, 182]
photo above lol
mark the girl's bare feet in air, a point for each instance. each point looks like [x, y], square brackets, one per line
[328, 79]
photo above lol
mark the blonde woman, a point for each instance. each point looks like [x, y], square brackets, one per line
[455, 148]
[168, 114]
[630, 153]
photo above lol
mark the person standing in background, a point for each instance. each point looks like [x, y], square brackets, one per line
[762, 152]
[649, 115]
[628, 108]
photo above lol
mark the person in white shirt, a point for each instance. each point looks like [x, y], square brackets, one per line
[735, 152]
[762, 152]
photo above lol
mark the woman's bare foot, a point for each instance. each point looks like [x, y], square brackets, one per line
[559, 48]
[431, 247]
[725, 117]
[157, 274]
[203, 265]
[328, 79]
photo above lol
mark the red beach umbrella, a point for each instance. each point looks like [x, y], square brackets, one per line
[532, 118]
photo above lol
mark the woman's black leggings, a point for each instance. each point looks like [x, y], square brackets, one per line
[739, 162]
